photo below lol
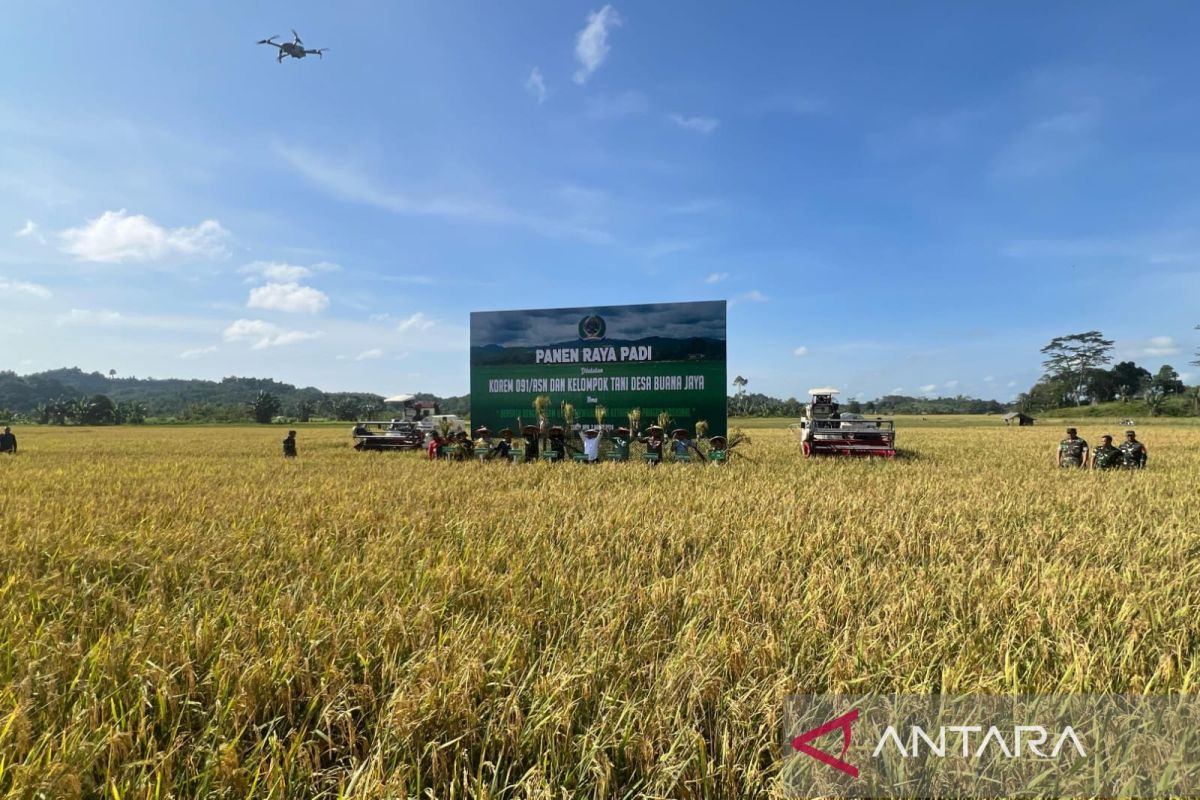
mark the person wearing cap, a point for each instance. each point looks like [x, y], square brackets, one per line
[620, 445]
[654, 443]
[1106, 456]
[289, 445]
[482, 446]
[8, 441]
[530, 434]
[591, 445]
[1072, 451]
[1133, 452]
[464, 447]
[717, 453]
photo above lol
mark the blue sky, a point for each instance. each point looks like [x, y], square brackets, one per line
[893, 197]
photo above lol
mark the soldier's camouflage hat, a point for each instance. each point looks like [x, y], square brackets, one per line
[1072, 430]
[1131, 433]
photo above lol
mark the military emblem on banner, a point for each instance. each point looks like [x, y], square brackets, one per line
[592, 327]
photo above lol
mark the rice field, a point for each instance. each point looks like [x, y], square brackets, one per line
[184, 614]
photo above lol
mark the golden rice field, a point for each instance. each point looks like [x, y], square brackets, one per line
[184, 614]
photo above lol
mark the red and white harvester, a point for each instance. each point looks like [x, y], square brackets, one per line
[825, 431]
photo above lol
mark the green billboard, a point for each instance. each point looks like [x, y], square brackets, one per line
[660, 357]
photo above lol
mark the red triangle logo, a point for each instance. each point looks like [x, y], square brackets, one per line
[801, 742]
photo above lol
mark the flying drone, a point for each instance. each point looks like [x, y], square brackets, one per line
[294, 48]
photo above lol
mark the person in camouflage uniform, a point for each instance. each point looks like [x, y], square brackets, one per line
[1106, 456]
[1133, 452]
[1072, 451]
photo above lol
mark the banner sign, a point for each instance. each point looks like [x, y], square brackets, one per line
[659, 357]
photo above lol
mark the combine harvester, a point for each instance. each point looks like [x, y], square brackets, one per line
[825, 431]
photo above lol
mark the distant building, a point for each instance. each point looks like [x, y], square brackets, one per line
[1017, 418]
[424, 408]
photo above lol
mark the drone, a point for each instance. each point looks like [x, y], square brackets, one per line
[294, 48]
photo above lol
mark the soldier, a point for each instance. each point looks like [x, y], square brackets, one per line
[1106, 456]
[620, 445]
[1072, 451]
[683, 446]
[1133, 452]
[530, 434]
[8, 441]
[289, 445]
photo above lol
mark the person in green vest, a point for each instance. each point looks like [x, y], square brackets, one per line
[620, 445]
[717, 454]
[1072, 451]
[1106, 456]
[654, 444]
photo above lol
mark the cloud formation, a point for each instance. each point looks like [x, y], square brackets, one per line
[1161, 346]
[263, 334]
[369, 355]
[277, 271]
[535, 84]
[117, 237]
[591, 43]
[697, 124]
[82, 316]
[800, 351]
[30, 230]
[716, 277]
[23, 287]
[289, 297]
[417, 322]
[197, 352]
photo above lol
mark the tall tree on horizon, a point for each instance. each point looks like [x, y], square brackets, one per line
[1069, 358]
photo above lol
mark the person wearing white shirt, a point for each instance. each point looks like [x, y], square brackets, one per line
[591, 444]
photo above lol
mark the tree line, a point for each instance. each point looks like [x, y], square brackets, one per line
[1077, 372]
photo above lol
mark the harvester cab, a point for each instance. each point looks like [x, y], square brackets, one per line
[826, 431]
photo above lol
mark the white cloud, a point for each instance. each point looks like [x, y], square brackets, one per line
[290, 297]
[81, 316]
[591, 43]
[197, 352]
[1161, 346]
[697, 124]
[950, 385]
[23, 287]
[800, 351]
[752, 296]
[117, 237]
[929, 387]
[417, 322]
[897, 390]
[1011, 384]
[716, 277]
[30, 230]
[368, 355]
[353, 185]
[535, 84]
[264, 334]
[989, 379]
[277, 270]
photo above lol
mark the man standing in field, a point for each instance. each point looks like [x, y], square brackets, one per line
[1106, 456]
[531, 435]
[620, 445]
[591, 445]
[1133, 452]
[289, 445]
[8, 441]
[1072, 451]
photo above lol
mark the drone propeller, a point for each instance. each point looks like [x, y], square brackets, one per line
[268, 40]
[319, 52]
[298, 40]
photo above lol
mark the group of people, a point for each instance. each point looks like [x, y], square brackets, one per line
[558, 444]
[1073, 452]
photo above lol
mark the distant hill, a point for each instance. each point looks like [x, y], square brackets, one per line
[192, 400]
